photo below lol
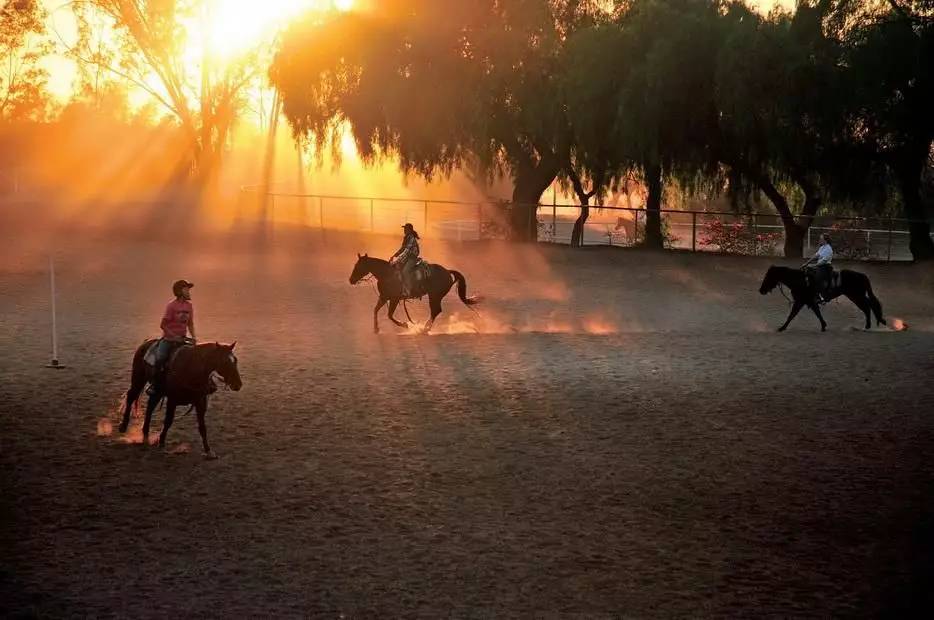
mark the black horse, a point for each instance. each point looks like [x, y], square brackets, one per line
[853, 284]
[389, 285]
[188, 383]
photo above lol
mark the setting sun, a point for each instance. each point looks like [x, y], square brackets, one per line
[236, 26]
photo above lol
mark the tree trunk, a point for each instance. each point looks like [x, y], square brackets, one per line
[577, 235]
[794, 231]
[531, 181]
[653, 205]
[908, 170]
[794, 239]
[797, 229]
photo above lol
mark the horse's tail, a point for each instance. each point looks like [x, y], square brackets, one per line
[462, 289]
[874, 302]
[138, 373]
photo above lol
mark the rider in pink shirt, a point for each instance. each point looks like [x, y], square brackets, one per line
[177, 322]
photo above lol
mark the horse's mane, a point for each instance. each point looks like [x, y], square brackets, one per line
[194, 359]
[374, 259]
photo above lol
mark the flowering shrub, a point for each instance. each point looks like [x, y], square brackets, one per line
[737, 238]
[847, 243]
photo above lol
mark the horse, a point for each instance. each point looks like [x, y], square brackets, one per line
[188, 382]
[389, 284]
[853, 284]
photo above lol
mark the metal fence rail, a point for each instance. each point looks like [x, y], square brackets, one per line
[753, 234]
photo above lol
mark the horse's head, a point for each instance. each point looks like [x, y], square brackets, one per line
[770, 281]
[225, 364]
[361, 269]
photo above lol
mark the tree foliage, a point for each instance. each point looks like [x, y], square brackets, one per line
[23, 44]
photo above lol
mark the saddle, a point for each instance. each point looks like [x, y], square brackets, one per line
[420, 273]
[832, 284]
[150, 356]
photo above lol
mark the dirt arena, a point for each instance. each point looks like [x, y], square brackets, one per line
[617, 433]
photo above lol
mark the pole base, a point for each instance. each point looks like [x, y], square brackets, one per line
[54, 364]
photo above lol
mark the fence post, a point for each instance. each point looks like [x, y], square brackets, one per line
[755, 235]
[635, 228]
[693, 231]
[889, 255]
[554, 223]
[54, 363]
[372, 229]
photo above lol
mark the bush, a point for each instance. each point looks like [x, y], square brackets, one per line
[848, 243]
[737, 238]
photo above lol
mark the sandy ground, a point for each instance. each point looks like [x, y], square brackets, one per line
[619, 432]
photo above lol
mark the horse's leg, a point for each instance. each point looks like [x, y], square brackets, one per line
[863, 304]
[132, 395]
[151, 404]
[435, 304]
[816, 308]
[201, 407]
[795, 309]
[874, 303]
[379, 304]
[137, 383]
[167, 423]
[393, 304]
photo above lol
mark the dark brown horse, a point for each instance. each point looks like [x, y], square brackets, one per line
[188, 382]
[854, 285]
[389, 285]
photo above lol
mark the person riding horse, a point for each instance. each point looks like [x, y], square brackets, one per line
[823, 270]
[406, 259]
[177, 322]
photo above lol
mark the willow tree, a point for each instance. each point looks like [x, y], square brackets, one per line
[597, 158]
[890, 100]
[438, 86]
[778, 93]
[665, 117]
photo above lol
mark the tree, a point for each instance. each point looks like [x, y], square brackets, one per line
[22, 46]
[779, 96]
[151, 53]
[438, 86]
[890, 80]
[589, 92]
[666, 118]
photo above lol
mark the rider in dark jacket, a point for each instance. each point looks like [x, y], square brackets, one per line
[406, 258]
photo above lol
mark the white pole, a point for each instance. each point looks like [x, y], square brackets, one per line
[54, 363]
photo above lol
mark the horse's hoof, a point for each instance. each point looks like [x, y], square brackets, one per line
[122, 427]
[781, 329]
[210, 455]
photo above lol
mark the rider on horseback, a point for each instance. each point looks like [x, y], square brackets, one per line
[177, 322]
[823, 271]
[406, 259]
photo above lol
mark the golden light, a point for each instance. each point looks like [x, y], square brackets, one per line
[236, 26]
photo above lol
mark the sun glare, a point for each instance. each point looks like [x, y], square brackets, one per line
[236, 26]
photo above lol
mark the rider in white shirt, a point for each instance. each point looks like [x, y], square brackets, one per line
[823, 271]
